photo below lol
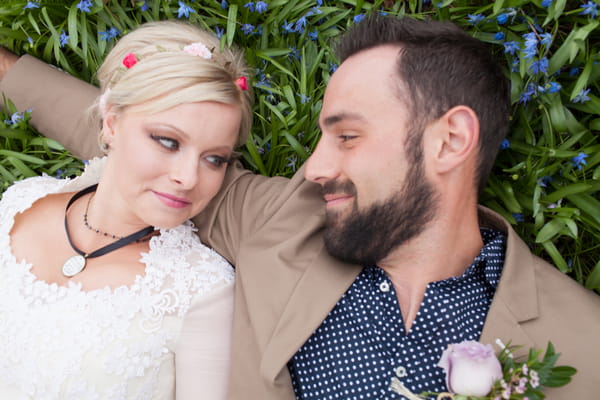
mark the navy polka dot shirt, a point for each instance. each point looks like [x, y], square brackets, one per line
[361, 345]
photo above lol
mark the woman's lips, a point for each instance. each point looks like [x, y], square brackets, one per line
[172, 201]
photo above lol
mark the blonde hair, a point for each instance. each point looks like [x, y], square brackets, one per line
[165, 76]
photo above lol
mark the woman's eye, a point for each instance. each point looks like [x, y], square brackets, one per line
[168, 143]
[217, 161]
[346, 138]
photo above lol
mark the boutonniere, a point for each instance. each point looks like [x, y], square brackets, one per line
[475, 372]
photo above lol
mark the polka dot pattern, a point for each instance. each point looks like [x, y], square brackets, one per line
[362, 344]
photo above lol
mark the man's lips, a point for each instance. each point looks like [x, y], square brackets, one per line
[336, 198]
[172, 201]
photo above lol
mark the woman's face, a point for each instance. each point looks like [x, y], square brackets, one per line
[164, 168]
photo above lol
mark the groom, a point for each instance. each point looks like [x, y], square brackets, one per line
[375, 256]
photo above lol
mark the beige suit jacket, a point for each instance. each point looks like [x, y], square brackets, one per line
[271, 230]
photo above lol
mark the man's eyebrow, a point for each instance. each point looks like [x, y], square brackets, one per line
[343, 116]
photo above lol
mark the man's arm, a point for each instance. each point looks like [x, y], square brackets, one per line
[59, 101]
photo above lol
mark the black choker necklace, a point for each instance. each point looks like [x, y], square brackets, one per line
[76, 263]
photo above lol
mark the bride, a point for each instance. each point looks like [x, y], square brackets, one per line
[106, 292]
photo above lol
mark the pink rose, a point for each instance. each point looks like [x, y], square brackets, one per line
[471, 368]
[129, 60]
[198, 49]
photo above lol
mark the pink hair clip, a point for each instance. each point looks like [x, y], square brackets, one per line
[242, 83]
[129, 60]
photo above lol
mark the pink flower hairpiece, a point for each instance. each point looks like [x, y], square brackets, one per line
[129, 60]
[198, 49]
[242, 83]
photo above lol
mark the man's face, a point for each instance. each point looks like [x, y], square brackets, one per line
[375, 187]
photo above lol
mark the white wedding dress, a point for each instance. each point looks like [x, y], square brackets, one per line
[60, 342]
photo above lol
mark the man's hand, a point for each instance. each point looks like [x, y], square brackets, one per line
[7, 60]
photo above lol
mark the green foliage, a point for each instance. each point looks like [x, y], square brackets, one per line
[546, 178]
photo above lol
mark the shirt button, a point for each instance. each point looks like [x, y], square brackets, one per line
[384, 287]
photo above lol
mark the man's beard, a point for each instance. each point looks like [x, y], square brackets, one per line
[367, 236]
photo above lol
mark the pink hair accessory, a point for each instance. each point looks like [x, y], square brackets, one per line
[242, 83]
[102, 102]
[198, 49]
[129, 60]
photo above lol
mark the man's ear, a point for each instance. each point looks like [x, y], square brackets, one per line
[455, 137]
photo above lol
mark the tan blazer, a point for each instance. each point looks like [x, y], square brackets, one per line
[271, 228]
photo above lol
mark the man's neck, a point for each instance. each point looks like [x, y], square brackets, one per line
[442, 251]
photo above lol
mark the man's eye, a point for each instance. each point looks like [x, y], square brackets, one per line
[217, 161]
[168, 143]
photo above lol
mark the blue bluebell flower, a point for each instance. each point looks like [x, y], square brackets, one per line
[109, 34]
[511, 47]
[85, 6]
[573, 71]
[333, 67]
[224, 4]
[582, 96]
[590, 8]
[304, 98]
[502, 18]
[63, 38]
[287, 27]
[527, 94]
[261, 7]
[547, 3]
[300, 25]
[554, 87]
[474, 19]
[505, 144]
[293, 160]
[579, 160]
[515, 65]
[359, 17]
[250, 6]
[30, 40]
[531, 42]
[294, 53]
[145, 6]
[31, 5]
[248, 29]
[184, 10]
[219, 32]
[519, 217]
[499, 36]
[314, 35]
[59, 173]
[546, 39]
[540, 66]
[544, 181]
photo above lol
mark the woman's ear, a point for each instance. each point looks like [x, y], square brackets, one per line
[109, 128]
[456, 138]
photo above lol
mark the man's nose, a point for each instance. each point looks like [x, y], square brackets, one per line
[323, 164]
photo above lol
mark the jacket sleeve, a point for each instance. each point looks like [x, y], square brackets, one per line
[59, 104]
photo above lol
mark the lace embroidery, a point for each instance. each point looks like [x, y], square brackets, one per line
[60, 341]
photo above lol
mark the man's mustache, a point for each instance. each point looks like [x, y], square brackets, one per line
[336, 187]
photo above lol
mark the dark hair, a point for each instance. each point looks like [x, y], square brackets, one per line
[441, 66]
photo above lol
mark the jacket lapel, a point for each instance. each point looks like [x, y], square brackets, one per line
[317, 292]
[515, 300]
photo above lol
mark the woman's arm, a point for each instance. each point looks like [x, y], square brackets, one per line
[59, 102]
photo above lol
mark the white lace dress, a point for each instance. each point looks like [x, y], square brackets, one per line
[60, 342]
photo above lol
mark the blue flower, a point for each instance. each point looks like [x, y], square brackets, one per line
[30, 40]
[332, 67]
[544, 181]
[287, 28]
[579, 160]
[314, 35]
[505, 144]
[261, 7]
[63, 39]
[184, 10]
[224, 4]
[590, 8]
[292, 162]
[300, 24]
[358, 18]
[85, 6]
[531, 42]
[527, 94]
[554, 87]
[109, 34]
[59, 173]
[219, 32]
[31, 5]
[145, 6]
[573, 71]
[319, 3]
[499, 36]
[518, 217]
[295, 53]
[304, 99]
[547, 3]
[502, 18]
[546, 39]
[511, 47]
[474, 19]
[540, 66]
[250, 6]
[247, 29]
[582, 96]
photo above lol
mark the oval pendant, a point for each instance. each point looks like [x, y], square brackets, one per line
[73, 265]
